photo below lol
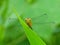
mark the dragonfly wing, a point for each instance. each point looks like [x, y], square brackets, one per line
[41, 19]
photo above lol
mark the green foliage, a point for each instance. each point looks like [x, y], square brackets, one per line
[11, 31]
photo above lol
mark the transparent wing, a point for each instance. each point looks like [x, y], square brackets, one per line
[41, 19]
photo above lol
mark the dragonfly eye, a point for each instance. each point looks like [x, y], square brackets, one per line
[27, 18]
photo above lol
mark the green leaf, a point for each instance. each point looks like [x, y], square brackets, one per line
[34, 39]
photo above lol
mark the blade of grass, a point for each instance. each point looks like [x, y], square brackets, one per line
[33, 38]
[2, 31]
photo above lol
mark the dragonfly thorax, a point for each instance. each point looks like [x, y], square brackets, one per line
[28, 22]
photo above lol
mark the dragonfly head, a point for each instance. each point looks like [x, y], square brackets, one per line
[27, 20]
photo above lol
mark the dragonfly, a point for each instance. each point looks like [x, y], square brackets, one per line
[41, 19]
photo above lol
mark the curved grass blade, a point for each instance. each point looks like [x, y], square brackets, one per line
[33, 38]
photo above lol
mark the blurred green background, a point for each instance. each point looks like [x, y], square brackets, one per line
[46, 26]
